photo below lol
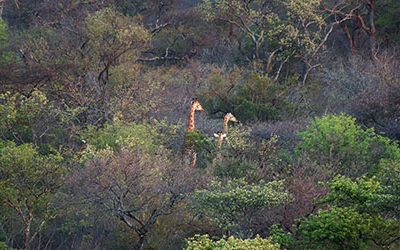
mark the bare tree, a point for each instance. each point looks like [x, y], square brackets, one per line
[136, 188]
[357, 18]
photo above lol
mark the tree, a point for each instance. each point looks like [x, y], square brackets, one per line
[358, 17]
[81, 57]
[249, 95]
[233, 205]
[28, 184]
[6, 56]
[339, 228]
[386, 20]
[35, 119]
[388, 173]
[365, 195]
[130, 175]
[200, 242]
[271, 33]
[337, 140]
[357, 216]
[113, 39]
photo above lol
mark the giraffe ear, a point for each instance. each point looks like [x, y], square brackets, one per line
[215, 135]
[223, 135]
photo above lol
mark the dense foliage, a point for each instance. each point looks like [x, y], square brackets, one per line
[295, 145]
[204, 242]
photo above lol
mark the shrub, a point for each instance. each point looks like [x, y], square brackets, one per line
[365, 195]
[233, 205]
[29, 182]
[118, 135]
[203, 242]
[389, 176]
[202, 145]
[378, 107]
[357, 217]
[33, 119]
[233, 167]
[6, 56]
[341, 142]
[345, 228]
[278, 235]
[250, 96]
[197, 140]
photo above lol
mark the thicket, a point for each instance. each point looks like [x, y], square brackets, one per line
[94, 105]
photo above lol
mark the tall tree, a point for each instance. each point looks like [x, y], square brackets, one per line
[28, 183]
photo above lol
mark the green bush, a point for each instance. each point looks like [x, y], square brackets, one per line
[33, 119]
[203, 146]
[339, 141]
[203, 242]
[118, 135]
[29, 182]
[197, 140]
[233, 167]
[3, 246]
[389, 176]
[364, 195]
[233, 205]
[279, 236]
[250, 96]
[357, 217]
[345, 228]
[387, 19]
[6, 56]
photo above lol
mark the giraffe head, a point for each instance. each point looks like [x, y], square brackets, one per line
[220, 138]
[219, 135]
[227, 118]
[196, 105]
[230, 117]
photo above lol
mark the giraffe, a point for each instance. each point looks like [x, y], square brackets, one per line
[220, 138]
[221, 135]
[227, 118]
[195, 106]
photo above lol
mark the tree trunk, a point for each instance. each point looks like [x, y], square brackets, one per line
[351, 39]
[27, 233]
[2, 3]
[103, 80]
[372, 28]
[140, 243]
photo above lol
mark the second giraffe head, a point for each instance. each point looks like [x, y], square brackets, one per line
[229, 117]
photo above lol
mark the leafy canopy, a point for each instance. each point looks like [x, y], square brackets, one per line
[236, 201]
[340, 228]
[339, 141]
[203, 242]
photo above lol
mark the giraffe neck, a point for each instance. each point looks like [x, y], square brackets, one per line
[226, 127]
[220, 141]
[191, 119]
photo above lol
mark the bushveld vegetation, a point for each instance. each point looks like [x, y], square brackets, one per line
[94, 104]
